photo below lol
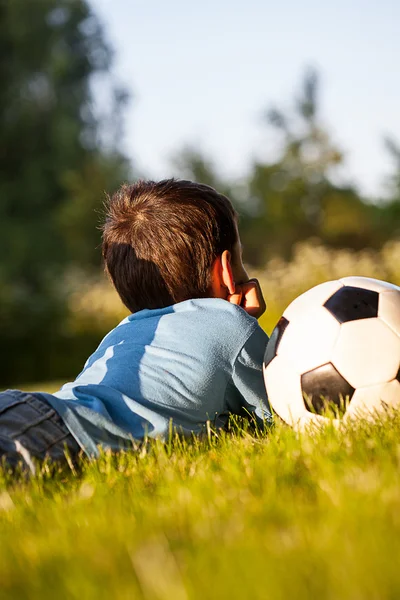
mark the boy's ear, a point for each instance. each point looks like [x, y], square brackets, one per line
[226, 271]
[222, 282]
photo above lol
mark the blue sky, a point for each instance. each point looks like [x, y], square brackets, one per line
[201, 73]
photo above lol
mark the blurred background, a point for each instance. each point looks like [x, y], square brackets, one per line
[291, 109]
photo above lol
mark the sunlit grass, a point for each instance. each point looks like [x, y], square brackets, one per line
[48, 386]
[239, 515]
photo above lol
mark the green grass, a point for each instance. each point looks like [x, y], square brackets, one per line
[50, 386]
[274, 516]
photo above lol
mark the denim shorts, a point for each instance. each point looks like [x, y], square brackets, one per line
[31, 429]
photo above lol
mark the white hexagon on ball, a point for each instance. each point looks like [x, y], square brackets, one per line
[374, 400]
[309, 338]
[389, 309]
[316, 296]
[367, 352]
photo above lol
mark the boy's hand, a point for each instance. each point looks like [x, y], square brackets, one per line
[249, 296]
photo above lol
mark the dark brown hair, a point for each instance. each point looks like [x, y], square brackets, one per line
[160, 240]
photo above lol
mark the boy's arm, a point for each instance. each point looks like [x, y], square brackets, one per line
[248, 380]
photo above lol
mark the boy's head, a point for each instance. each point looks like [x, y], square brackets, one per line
[161, 240]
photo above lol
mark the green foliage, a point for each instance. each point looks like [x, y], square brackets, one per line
[55, 171]
[235, 515]
[296, 196]
[388, 212]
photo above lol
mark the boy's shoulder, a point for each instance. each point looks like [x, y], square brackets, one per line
[217, 310]
[198, 310]
[203, 317]
[203, 322]
[198, 326]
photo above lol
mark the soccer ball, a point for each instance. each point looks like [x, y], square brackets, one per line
[337, 344]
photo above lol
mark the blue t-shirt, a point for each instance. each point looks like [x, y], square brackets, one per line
[179, 367]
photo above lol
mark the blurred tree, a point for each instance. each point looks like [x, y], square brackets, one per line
[388, 211]
[295, 196]
[393, 148]
[191, 164]
[55, 169]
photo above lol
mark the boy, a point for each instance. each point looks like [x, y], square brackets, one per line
[191, 351]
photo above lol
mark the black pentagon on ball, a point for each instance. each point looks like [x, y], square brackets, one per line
[276, 336]
[353, 303]
[325, 385]
[398, 375]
